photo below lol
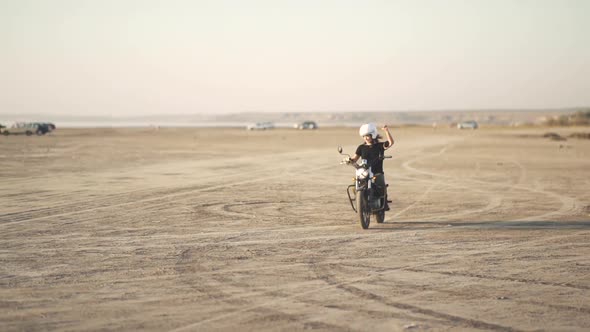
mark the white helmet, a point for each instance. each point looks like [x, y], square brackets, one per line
[368, 129]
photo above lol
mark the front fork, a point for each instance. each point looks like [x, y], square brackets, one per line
[352, 191]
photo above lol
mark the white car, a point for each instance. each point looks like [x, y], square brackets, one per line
[467, 125]
[27, 128]
[261, 126]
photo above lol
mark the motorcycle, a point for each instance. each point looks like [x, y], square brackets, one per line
[365, 196]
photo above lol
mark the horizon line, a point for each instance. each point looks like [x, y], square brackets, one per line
[569, 108]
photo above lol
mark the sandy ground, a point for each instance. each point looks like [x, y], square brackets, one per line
[202, 229]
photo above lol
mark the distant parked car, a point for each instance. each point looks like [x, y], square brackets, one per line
[42, 128]
[261, 126]
[50, 126]
[467, 125]
[307, 125]
[27, 128]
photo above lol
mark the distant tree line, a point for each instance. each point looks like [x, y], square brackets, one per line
[580, 118]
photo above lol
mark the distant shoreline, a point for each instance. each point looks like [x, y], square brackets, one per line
[122, 125]
[289, 119]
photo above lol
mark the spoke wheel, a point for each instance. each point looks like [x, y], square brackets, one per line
[363, 210]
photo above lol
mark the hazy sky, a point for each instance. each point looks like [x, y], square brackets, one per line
[126, 57]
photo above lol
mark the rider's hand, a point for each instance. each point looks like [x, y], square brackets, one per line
[346, 160]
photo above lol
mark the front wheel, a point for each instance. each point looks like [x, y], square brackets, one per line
[363, 209]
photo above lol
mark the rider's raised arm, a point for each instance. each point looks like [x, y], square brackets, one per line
[388, 135]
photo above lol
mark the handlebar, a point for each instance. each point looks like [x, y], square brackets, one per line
[355, 165]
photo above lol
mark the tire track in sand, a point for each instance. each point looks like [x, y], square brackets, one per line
[568, 205]
[107, 203]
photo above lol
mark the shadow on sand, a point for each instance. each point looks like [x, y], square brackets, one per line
[414, 225]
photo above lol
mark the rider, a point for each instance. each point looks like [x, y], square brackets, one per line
[372, 150]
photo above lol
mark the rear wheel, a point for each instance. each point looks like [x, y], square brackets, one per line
[380, 216]
[363, 210]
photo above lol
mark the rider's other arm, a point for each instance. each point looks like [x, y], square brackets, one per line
[354, 158]
[388, 135]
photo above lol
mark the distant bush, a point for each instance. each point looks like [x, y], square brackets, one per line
[554, 136]
[580, 118]
[581, 135]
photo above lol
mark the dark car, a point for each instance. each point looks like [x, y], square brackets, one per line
[307, 125]
[42, 128]
[50, 126]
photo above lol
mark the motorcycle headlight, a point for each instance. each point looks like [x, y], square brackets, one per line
[362, 173]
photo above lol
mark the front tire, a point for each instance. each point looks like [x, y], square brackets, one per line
[363, 210]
